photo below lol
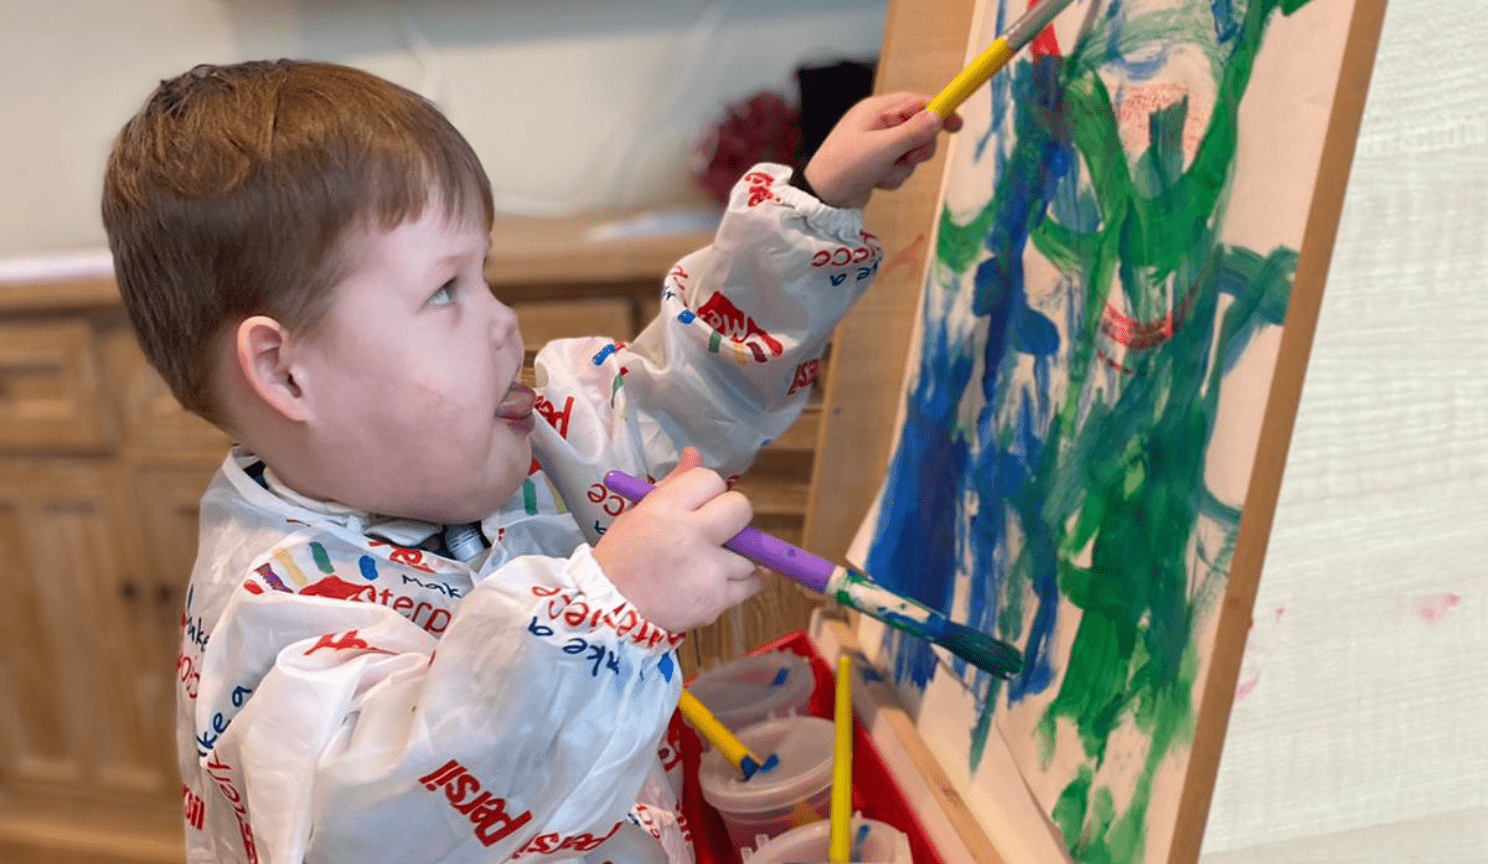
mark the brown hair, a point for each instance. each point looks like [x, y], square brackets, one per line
[229, 193]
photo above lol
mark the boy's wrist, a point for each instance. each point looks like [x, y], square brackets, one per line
[798, 180]
[830, 188]
[599, 588]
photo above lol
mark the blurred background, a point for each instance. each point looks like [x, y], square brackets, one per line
[574, 106]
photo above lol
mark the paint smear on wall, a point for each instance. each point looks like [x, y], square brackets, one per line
[1432, 608]
[1110, 275]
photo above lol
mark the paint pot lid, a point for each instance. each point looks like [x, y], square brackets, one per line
[872, 842]
[759, 685]
[804, 747]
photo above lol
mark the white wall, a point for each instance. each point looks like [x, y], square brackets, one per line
[1360, 734]
[573, 105]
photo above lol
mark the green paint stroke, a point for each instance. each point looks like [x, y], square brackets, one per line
[1122, 479]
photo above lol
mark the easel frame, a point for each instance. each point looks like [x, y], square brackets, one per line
[923, 48]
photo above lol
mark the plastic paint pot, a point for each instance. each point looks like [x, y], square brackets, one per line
[796, 792]
[872, 842]
[752, 689]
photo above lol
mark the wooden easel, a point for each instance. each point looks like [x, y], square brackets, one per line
[924, 46]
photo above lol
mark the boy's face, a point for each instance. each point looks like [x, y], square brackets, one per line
[418, 407]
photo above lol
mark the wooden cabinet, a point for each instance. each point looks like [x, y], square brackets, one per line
[49, 388]
[100, 475]
[98, 481]
[87, 755]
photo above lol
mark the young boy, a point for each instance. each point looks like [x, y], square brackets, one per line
[419, 627]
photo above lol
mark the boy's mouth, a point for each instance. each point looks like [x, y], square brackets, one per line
[516, 405]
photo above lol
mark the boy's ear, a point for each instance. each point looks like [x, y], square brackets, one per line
[265, 351]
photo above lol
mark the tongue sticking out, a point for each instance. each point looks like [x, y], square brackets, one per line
[517, 403]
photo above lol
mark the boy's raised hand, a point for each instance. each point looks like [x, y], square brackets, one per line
[666, 553]
[876, 145]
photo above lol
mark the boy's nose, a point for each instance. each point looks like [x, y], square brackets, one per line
[504, 329]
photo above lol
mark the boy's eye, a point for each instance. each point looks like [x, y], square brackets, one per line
[444, 296]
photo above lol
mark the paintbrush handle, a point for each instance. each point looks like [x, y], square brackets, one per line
[728, 744]
[839, 846]
[854, 590]
[809, 570]
[996, 56]
[1033, 22]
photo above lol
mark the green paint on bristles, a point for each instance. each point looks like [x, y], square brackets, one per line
[988, 653]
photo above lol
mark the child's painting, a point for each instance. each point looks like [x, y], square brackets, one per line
[1112, 266]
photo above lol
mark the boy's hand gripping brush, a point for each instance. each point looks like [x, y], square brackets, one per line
[856, 591]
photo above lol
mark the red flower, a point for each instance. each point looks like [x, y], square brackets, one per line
[762, 128]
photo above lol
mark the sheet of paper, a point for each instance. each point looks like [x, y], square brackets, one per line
[1099, 328]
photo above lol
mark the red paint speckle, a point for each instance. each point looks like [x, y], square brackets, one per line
[1432, 608]
[1247, 687]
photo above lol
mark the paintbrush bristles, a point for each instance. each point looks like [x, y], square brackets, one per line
[856, 591]
[987, 653]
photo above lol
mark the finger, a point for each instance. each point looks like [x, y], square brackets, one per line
[895, 178]
[899, 99]
[953, 123]
[723, 516]
[689, 460]
[918, 155]
[689, 490]
[921, 129]
[757, 571]
[737, 568]
[898, 108]
[736, 591]
[911, 107]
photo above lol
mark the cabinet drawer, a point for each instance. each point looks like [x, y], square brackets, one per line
[154, 423]
[49, 394]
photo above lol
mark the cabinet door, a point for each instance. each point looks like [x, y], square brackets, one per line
[90, 725]
[167, 499]
[155, 425]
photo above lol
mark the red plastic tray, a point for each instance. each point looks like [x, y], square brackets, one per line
[875, 793]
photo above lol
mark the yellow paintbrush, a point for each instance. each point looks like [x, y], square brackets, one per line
[735, 751]
[839, 850]
[729, 746]
[1002, 49]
